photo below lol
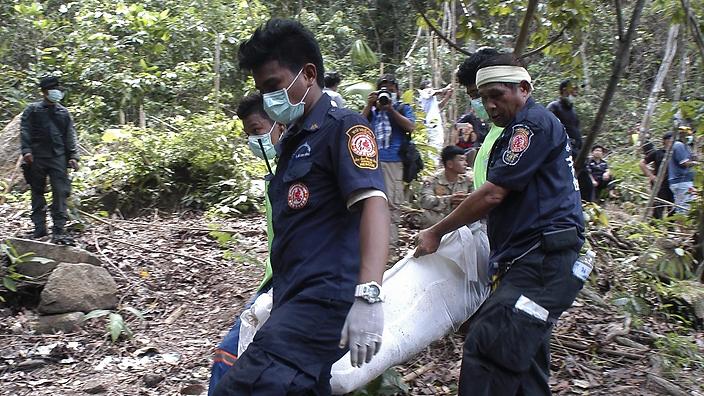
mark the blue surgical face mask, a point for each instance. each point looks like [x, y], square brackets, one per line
[479, 109]
[266, 143]
[279, 107]
[54, 95]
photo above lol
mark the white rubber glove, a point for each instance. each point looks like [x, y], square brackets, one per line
[362, 331]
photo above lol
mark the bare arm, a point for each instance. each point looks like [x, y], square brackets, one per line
[646, 169]
[374, 239]
[398, 118]
[477, 205]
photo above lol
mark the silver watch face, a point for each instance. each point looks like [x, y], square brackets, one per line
[373, 291]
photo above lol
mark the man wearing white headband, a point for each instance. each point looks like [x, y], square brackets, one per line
[535, 227]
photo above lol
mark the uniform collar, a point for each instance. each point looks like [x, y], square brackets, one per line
[443, 180]
[311, 123]
[315, 119]
[523, 113]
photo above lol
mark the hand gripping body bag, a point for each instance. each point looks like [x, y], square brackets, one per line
[426, 298]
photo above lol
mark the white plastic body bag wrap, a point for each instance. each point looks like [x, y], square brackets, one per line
[426, 298]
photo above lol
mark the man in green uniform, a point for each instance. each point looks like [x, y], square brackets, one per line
[447, 188]
[48, 149]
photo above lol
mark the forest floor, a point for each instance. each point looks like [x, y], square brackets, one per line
[189, 289]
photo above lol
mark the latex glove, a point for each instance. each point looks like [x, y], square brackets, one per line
[362, 331]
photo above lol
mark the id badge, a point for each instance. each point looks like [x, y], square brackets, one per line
[582, 270]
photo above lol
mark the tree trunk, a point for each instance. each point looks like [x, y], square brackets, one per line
[670, 50]
[585, 62]
[522, 40]
[142, 116]
[616, 72]
[693, 24]
[121, 118]
[216, 69]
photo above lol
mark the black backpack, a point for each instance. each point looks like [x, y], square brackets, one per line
[411, 159]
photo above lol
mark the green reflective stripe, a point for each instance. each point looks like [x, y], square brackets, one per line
[269, 236]
[481, 161]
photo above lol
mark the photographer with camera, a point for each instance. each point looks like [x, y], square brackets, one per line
[392, 122]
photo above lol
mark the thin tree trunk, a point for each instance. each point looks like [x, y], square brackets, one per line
[121, 119]
[216, 68]
[142, 116]
[670, 51]
[694, 27]
[522, 40]
[585, 62]
[616, 72]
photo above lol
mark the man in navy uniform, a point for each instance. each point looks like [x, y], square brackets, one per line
[330, 220]
[48, 149]
[535, 229]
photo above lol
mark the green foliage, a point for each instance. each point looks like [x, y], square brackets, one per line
[195, 162]
[10, 276]
[387, 384]
[116, 325]
[678, 352]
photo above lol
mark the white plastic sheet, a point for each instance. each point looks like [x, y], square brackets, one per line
[426, 298]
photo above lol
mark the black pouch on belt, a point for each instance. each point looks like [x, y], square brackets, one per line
[554, 241]
[27, 172]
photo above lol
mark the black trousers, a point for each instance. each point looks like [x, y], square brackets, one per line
[507, 351]
[55, 169]
[662, 208]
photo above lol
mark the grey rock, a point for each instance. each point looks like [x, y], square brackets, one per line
[58, 253]
[94, 387]
[152, 380]
[193, 389]
[78, 287]
[68, 322]
[692, 293]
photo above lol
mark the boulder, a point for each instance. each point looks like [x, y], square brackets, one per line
[692, 292]
[78, 287]
[58, 253]
[10, 146]
[68, 322]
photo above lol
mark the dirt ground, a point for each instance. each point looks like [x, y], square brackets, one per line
[189, 289]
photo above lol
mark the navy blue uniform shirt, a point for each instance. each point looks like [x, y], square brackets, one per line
[597, 169]
[532, 159]
[322, 162]
[47, 131]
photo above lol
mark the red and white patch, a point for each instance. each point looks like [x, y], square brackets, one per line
[362, 145]
[520, 140]
[298, 195]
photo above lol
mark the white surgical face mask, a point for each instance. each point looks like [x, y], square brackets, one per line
[54, 95]
[269, 151]
[278, 104]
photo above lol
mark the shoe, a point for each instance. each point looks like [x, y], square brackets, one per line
[63, 239]
[36, 234]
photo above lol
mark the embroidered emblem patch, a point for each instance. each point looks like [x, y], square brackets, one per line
[362, 145]
[298, 196]
[518, 144]
[302, 151]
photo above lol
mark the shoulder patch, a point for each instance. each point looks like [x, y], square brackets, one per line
[520, 141]
[362, 146]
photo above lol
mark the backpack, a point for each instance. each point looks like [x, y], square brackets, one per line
[411, 159]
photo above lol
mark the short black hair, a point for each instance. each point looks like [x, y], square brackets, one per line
[648, 147]
[425, 84]
[386, 78]
[667, 136]
[503, 59]
[449, 153]
[285, 41]
[598, 146]
[564, 84]
[251, 104]
[332, 79]
[467, 72]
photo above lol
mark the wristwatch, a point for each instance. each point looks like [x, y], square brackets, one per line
[370, 292]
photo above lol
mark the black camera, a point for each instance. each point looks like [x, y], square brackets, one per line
[384, 97]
